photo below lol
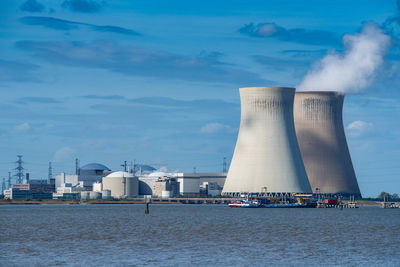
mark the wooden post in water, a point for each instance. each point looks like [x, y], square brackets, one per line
[147, 199]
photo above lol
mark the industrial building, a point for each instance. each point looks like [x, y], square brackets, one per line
[323, 145]
[32, 189]
[190, 184]
[68, 191]
[267, 156]
[166, 187]
[121, 184]
[86, 176]
[146, 180]
[186, 184]
[210, 189]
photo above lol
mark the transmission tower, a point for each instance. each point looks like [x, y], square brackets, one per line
[50, 171]
[9, 180]
[224, 165]
[19, 170]
[3, 186]
[77, 166]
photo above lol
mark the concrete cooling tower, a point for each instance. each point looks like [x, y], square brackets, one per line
[267, 156]
[320, 133]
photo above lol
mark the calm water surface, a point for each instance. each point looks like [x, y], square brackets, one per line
[171, 235]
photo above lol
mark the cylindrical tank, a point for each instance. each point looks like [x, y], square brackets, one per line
[94, 195]
[121, 184]
[166, 194]
[106, 194]
[267, 156]
[132, 186]
[84, 195]
[323, 145]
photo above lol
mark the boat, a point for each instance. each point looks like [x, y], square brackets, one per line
[266, 203]
[244, 203]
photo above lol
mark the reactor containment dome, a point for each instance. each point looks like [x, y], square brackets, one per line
[323, 145]
[267, 156]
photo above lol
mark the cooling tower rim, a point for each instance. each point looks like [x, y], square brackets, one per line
[319, 93]
[263, 88]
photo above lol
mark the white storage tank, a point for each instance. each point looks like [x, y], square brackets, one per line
[166, 194]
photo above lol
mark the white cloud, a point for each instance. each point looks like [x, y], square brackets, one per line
[215, 127]
[358, 127]
[63, 154]
[22, 127]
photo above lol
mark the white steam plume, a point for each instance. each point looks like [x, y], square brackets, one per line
[351, 71]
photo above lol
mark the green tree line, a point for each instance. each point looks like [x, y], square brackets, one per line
[387, 195]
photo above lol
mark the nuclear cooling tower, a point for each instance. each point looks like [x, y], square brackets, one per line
[320, 133]
[267, 155]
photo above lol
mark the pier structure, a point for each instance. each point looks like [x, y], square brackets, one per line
[390, 205]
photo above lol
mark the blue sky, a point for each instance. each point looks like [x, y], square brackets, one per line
[157, 81]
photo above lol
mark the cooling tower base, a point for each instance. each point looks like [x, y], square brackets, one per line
[258, 194]
[287, 194]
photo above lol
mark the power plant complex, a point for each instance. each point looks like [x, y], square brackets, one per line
[291, 143]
